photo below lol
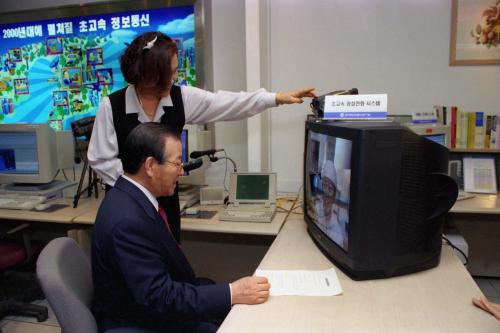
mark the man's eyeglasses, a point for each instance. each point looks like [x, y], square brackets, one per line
[176, 164]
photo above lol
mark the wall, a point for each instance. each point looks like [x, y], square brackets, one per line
[227, 50]
[396, 47]
[15, 5]
[379, 46]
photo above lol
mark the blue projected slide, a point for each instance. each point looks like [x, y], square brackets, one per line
[58, 70]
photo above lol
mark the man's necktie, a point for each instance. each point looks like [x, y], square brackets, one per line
[163, 215]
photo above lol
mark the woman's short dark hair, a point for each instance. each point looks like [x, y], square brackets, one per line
[146, 139]
[149, 68]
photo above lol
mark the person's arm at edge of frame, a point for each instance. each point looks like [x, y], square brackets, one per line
[487, 306]
[103, 146]
[203, 106]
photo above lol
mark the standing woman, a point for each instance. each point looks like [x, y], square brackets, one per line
[149, 65]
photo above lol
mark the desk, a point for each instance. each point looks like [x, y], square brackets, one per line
[478, 220]
[61, 220]
[436, 300]
[223, 251]
[203, 225]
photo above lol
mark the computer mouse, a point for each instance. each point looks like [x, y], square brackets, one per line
[42, 207]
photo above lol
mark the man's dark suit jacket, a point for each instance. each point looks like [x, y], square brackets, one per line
[141, 277]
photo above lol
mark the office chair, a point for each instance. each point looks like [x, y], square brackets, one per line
[18, 288]
[82, 131]
[66, 279]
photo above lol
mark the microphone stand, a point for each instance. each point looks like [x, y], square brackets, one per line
[214, 158]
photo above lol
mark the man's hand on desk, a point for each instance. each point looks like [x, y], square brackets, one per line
[490, 307]
[250, 290]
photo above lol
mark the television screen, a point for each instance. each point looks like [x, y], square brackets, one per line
[329, 168]
[57, 70]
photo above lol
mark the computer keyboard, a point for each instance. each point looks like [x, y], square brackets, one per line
[17, 201]
[246, 216]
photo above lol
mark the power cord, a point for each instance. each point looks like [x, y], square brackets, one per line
[448, 242]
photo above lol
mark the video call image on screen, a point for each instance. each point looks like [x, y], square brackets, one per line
[328, 170]
[58, 70]
[18, 153]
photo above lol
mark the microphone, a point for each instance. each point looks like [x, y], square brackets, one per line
[192, 164]
[200, 153]
[318, 103]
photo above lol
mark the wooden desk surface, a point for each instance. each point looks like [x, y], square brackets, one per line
[88, 217]
[481, 204]
[436, 300]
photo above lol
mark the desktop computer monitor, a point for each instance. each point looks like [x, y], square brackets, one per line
[28, 153]
[435, 132]
[194, 138]
[375, 196]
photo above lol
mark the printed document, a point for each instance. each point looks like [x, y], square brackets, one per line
[302, 283]
[479, 175]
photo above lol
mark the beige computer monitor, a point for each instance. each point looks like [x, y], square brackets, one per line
[436, 132]
[28, 153]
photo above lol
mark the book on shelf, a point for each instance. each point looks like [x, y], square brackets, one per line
[479, 131]
[453, 126]
[462, 129]
[487, 131]
[494, 131]
[471, 129]
[497, 132]
[440, 111]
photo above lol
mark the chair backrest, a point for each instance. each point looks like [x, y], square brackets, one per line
[65, 277]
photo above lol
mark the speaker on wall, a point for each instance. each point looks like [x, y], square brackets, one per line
[211, 195]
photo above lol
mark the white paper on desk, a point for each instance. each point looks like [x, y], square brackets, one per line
[480, 175]
[302, 283]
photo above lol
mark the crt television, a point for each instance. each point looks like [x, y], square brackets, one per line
[57, 66]
[375, 196]
[28, 154]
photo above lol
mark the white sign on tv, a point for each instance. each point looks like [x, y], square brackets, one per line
[355, 107]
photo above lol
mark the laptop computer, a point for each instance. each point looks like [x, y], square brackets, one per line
[252, 197]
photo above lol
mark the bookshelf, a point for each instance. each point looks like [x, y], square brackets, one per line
[475, 150]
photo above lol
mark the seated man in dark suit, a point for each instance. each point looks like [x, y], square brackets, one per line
[141, 276]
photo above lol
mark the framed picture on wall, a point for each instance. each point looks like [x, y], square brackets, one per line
[475, 32]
